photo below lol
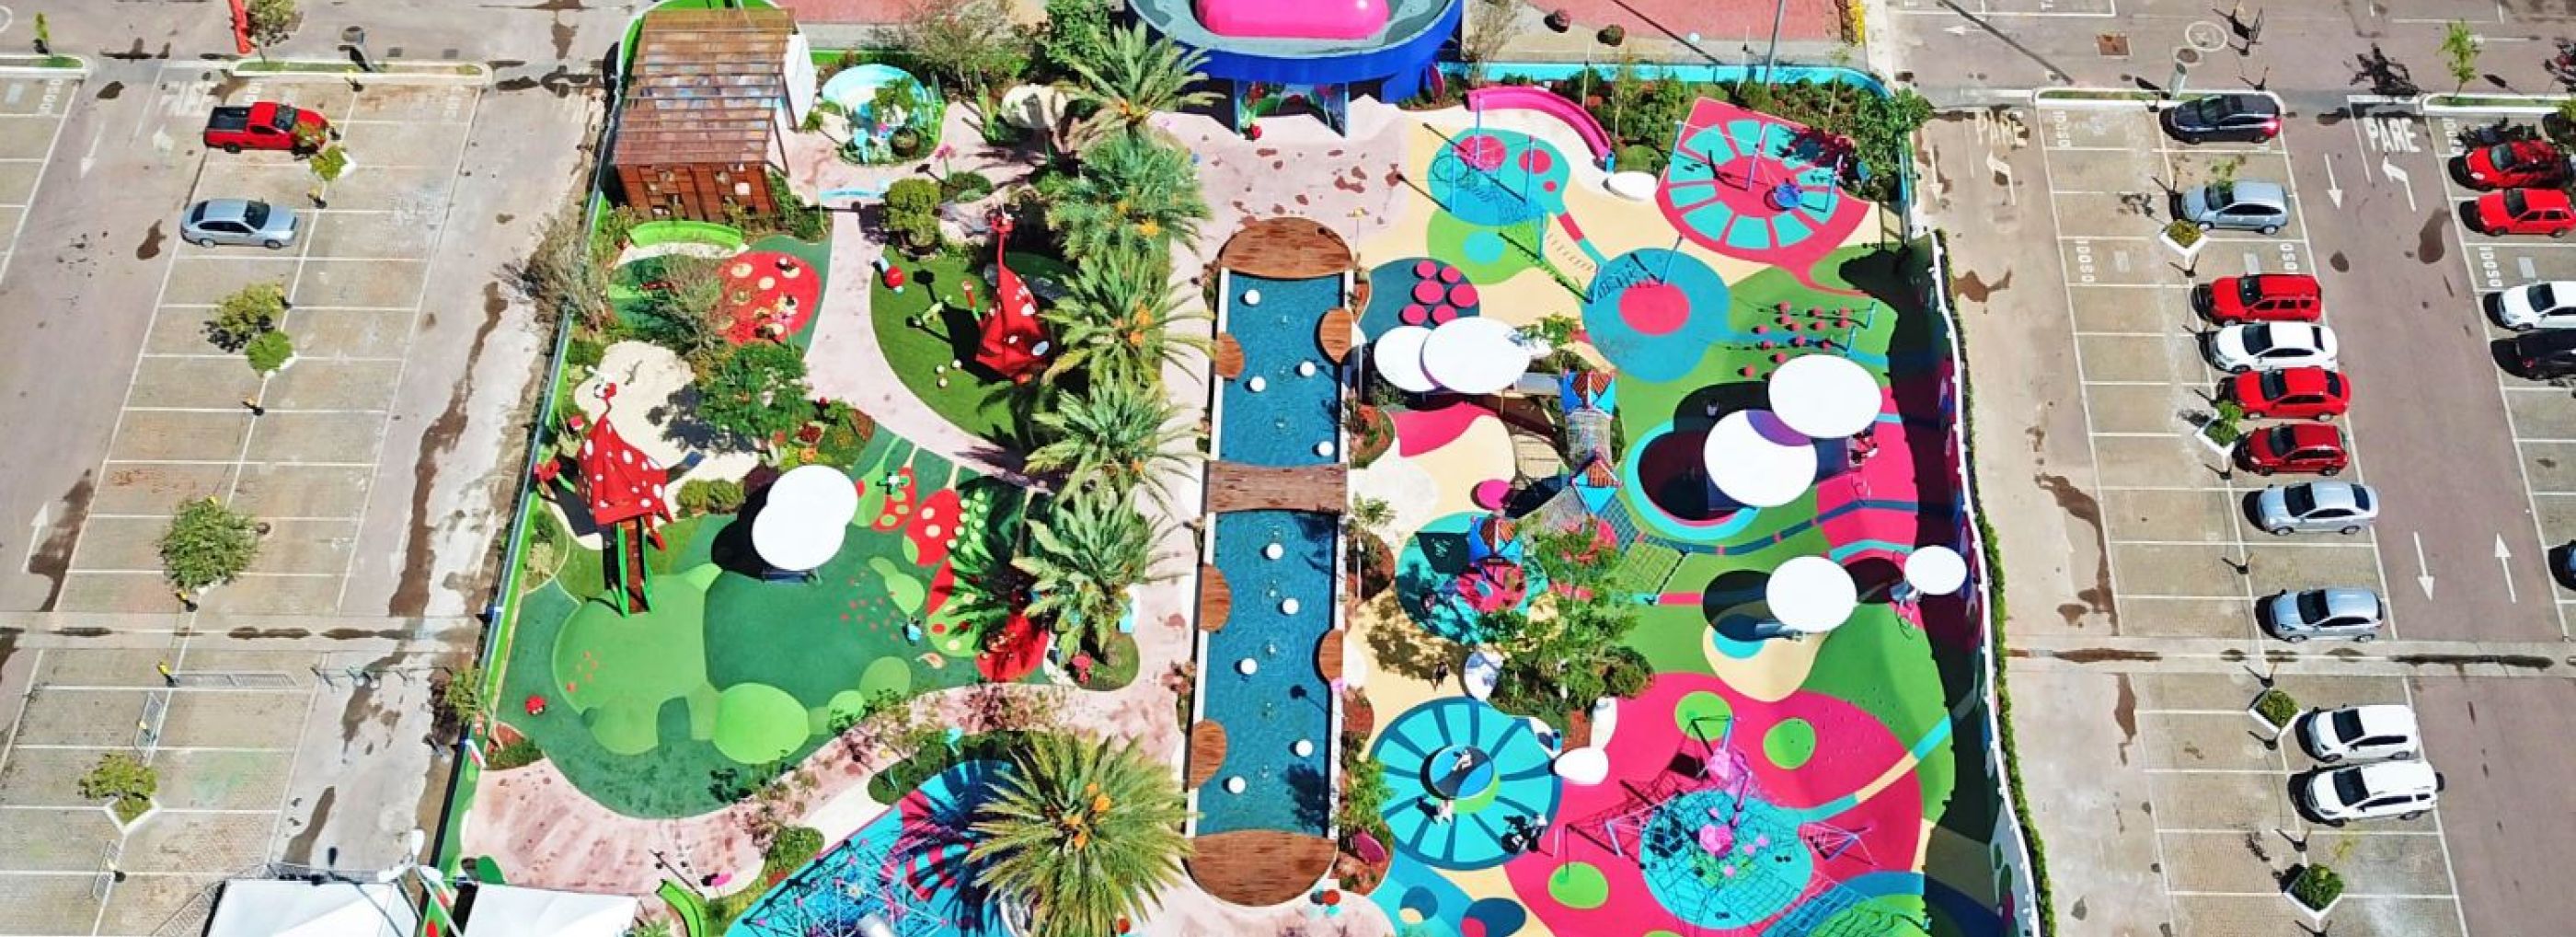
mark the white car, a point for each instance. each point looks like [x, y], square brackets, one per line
[2401, 789]
[2535, 306]
[2271, 346]
[2362, 733]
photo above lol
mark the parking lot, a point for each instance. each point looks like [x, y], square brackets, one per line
[33, 105]
[2183, 562]
[300, 449]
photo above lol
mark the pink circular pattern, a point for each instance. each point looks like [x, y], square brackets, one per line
[1489, 493]
[1426, 292]
[1443, 313]
[1413, 314]
[1482, 152]
[1462, 295]
[1452, 274]
[1654, 308]
[1537, 160]
[1425, 268]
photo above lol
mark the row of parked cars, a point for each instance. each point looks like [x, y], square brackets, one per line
[2281, 362]
[265, 125]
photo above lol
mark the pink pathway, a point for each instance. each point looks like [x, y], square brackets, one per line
[1806, 20]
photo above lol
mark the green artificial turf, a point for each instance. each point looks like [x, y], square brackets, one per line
[921, 354]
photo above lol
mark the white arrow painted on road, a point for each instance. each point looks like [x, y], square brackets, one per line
[2388, 167]
[2504, 561]
[2334, 190]
[90, 158]
[2003, 170]
[1960, 30]
[2423, 570]
[35, 532]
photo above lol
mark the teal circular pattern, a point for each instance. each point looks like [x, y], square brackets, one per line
[1499, 178]
[1522, 791]
[1758, 868]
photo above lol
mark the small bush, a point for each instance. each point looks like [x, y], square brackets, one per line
[2316, 887]
[2227, 425]
[2276, 707]
[269, 352]
[330, 163]
[584, 353]
[905, 143]
[792, 847]
[123, 780]
[519, 754]
[1638, 157]
[711, 496]
[207, 544]
[247, 314]
[965, 186]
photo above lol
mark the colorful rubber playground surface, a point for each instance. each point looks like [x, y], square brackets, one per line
[1760, 786]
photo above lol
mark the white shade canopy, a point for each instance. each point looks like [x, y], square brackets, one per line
[1398, 354]
[1586, 766]
[805, 518]
[1483, 670]
[512, 911]
[1825, 396]
[1758, 461]
[1475, 355]
[1605, 719]
[1936, 569]
[1811, 594]
[820, 490]
[274, 908]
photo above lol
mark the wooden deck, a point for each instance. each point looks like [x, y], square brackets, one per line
[1285, 248]
[1207, 751]
[1216, 599]
[1227, 356]
[1333, 334]
[1328, 656]
[1234, 486]
[1260, 868]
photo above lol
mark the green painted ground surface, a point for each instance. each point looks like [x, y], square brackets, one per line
[973, 401]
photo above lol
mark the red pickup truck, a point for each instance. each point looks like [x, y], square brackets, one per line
[266, 125]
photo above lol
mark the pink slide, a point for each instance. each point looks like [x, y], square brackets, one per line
[1549, 103]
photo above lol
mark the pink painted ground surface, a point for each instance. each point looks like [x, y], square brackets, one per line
[1852, 750]
[850, 11]
[1420, 431]
[1807, 20]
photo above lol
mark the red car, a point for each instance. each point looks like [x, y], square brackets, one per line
[2313, 448]
[2518, 164]
[2263, 297]
[266, 125]
[2524, 211]
[2291, 393]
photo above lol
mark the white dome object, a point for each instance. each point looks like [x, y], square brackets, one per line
[1324, 449]
[1584, 766]
[1234, 785]
[1252, 297]
[1288, 606]
[1247, 666]
[938, 369]
[1633, 186]
[1825, 396]
[1475, 355]
[1398, 354]
[1758, 461]
[1273, 551]
[1256, 384]
[1936, 569]
[1811, 594]
[1301, 748]
[1305, 369]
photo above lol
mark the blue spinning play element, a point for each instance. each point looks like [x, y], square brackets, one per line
[1490, 770]
[1713, 169]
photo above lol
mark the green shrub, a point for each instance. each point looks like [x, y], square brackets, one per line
[584, 353]
[330, 163]
[519, 754]
[247, 314]
[965, 186]
[269, 352]
[792, 847]
[1638, 157]
[2227, 424]
[207, 544]
[2316, 887]
[710, 496]
[2276, 707]
[125, 781]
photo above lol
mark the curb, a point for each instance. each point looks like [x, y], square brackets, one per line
[32, 65]
[389, 72]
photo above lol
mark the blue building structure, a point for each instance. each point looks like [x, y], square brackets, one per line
[1265, 73]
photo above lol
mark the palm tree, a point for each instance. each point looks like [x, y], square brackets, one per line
[1132, 195]
[1115, 437]
[1116, 321]
[1081, 833]
[1085, 551]
[1135, 76]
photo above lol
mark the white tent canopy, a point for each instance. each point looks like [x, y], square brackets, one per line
[1475, 355]
[1758, 461]
[1825, 396]
[1583, 766]
[511, 911]
[1398, 354]
[252, 907]
[1811, 594]
[805, 519]
[1936, 569]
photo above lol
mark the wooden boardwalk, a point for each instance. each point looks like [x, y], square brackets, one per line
[1260, 868]
[1285, 248]
[1235, 486]
[1328, 656]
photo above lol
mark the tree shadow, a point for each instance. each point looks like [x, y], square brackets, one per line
[1403, 648]
[1313, 795]
[1723, 601]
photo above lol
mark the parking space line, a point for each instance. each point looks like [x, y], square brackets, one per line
[2126, 383]
[2209, 770]
[206, 354]
[2450, 867]
[262, 258]
[2328, 544]
[21, 227]
[264, 517]
[2124, 434]
[237, 409]
[2084, 334]
[121, 746]
[2109, 487]
[308, 307]
[2545, 440]
[2176, 597]
[2105, 237]
[2191, 712]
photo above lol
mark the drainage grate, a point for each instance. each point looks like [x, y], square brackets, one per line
[2112, 45]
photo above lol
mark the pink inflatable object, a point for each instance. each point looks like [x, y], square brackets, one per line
[1306, 19]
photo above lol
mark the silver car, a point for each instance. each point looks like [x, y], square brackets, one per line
[2315, 508]
[237, 221]
[2237, 206]
[2353, 614]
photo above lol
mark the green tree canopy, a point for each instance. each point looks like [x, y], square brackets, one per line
[972, 45]
[207, 544]
[1116, 322]
[1133, 75]
[1082, 834]
[248, 313]
[1086, 548]
[1118, 436]
[1131, 196]
[756, 392]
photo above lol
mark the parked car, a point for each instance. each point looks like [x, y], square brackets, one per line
[2515, 164]
[2262, 297]
[2291, 393]
[2355, 614]
[237, 221]
[2262, 207]
[2547, 354]
[2315, 507]
[2384, 730]
[2238, 118]
[266, 125]
[2298, 448]
[2523, 211]
[2546, 305]
[2401, 789]
[2270, 346]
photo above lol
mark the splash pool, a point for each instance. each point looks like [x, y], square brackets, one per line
[1267, 712]
[1280, 424]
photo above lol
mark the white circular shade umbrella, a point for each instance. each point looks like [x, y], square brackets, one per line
[1475, 355]
[1758, 461]
[819, 490]
[805, 519]
[1825, 396]
[1937, 570]
[1811, 594]
[1398, 354]
[1585, 766]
